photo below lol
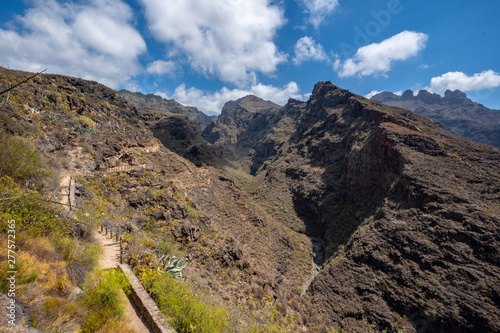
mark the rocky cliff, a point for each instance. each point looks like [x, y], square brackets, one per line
[406, 212]
[455, 111]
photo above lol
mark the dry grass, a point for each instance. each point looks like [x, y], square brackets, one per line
[43, 283]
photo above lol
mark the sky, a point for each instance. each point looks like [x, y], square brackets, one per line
[204, 53]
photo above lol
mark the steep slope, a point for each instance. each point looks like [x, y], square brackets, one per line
[238, 256]
[157, 103]
[47, 135]
[176, 126]
[455, 111]
[408, 215]
[179, 134]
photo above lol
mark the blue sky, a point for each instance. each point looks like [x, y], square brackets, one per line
[204, 53]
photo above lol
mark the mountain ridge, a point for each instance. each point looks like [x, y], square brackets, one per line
[368, 180]
[460, 115]
[151, 102]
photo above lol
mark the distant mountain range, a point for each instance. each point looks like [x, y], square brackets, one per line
[455, 111]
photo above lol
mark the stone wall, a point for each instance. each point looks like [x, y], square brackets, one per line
[145, 303]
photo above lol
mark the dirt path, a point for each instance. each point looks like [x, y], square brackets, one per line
[110, 258]
[64, 191]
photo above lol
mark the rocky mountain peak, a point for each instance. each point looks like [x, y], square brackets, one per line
[244, 109]
[326, 89]
[152, 102]
[408, 94]
[455, 96]
[427, 97]
[250, 103]
[385, 96]
[323, 87]
[325, 94]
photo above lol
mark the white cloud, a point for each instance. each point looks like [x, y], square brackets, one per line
[213, 102]
[461, 81]
[307, 49]
[95, 41]
[319, 9]
[377, 58]
[161, 67]
[372, 93]
[229, 39]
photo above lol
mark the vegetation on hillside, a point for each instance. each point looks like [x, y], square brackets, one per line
[187, 307]
[50, 260]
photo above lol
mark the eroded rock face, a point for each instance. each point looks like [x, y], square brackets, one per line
[407, 213]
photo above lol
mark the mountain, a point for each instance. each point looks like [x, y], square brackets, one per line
[181, 135]
[176, 126]
[240, 128]
[152, 102]
[335, 214]
[455, 111]
[244, 268]
[406, 214]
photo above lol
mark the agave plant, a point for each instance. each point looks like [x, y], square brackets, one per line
[174, 266]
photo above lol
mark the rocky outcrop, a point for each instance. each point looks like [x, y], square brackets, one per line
[455, 111]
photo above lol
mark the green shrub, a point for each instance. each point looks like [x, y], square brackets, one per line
[28, 278]
[193, 213]
[103, 298]
[87, 122]
[413, 212]
[179, 196]
[19, 159]
[186, 312]
[401, 225]
[31, 213]
[88, 215]
[393, 204]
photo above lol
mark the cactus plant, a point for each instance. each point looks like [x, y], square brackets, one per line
[173, 265]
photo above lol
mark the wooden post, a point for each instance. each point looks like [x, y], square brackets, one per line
[106, 231]
[71, 194]
[111, 231]
[121, 251]
[102, 228]
[116, 237]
